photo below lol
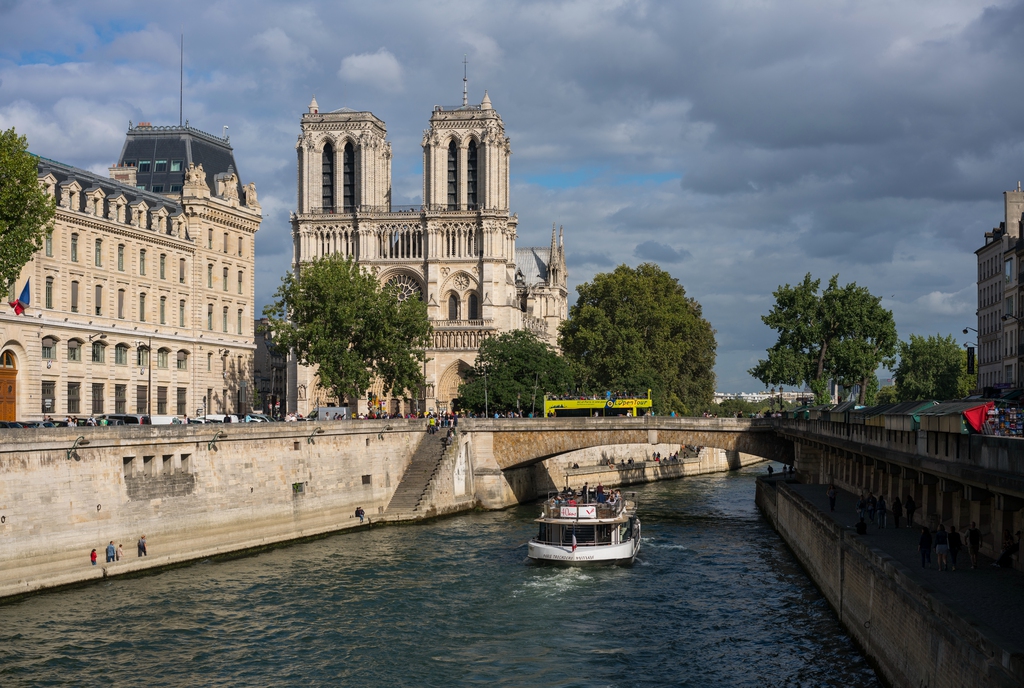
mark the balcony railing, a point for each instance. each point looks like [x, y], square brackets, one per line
[461, 324]
[414, 208]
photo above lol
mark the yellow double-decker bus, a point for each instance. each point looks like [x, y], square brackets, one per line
[588, 406]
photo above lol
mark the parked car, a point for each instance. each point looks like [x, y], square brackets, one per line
[220, 418]
[257, 418]
[128, 418]
[165, 420]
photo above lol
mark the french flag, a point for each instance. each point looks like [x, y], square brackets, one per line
[21, 303]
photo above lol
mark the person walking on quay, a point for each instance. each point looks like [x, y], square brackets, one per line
[955, 545]
[92, 557]
[882, 509]
[142, 547]
[831, 492]
[862, 505]
[111, 552]
[897, 510]
[360, 514]
[924, 546]
[120, 551]
[973, 543]
[872, 506]
[941, 547]
[911, 507]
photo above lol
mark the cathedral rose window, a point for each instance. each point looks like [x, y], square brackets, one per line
[405, 287]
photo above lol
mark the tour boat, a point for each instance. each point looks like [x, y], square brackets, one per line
[583, 534]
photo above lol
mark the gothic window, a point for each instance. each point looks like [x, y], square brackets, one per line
[474, 307]
[405, 287]
[328, 178]
[349, 180]
[453, 307]
[453, 174]
[471, 176]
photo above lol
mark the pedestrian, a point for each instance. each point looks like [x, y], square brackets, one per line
[120, 551]
[911, 507]
[111, 552]
[872, 506]
[955, 545]
[770, 470]
[831, 498]
[897, 510]
[973, 543]
[92, 557]
[862, 505]
[924, 546]
[142, 547]
[941, 547]
[882, 509]
[360, 514]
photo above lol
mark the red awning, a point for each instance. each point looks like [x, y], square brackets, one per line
[977, 416]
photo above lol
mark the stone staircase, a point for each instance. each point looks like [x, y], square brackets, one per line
[421, 470]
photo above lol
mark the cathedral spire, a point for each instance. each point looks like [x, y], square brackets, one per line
[465, 80]
[554, 243]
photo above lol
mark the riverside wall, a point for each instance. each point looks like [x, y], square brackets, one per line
[911, 637]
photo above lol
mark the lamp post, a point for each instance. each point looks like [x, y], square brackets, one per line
[149, 380]
[533, 407]
[487, 413]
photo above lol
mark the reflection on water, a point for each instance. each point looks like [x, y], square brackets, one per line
[714, 599]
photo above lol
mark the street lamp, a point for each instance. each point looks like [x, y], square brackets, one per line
[970, 328]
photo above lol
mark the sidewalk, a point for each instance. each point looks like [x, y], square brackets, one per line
[986, 596]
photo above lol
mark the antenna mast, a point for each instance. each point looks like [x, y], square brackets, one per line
[465, 81]
[181, 76]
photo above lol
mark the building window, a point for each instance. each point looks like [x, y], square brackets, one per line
[49, 396]
[349, 178]
[49, 348]
[175, 188]
[209, 316]
[120, 303]
[161, 358]
[240, 321]
[49, 292]
[75, 351]
[182, 360]
[98, 299]
[142, 399]
[49, 244]
[209, 276]
[453, 176]
[74, 297]
[161, 400]
[97, 398]
[142, 307]
[240, 277]
[143, 165]
[158, 188]
[163, 266]
[142, 262]
[98, 255]
[99, 352]
[225, 279]
[209, 363]
[471, 176]
[225, 319]
[120, 398]
[182, 400]
[225, 242]
[453, 307]
[474, 307]
[240, 240]
[327, 184]
[181, 271]
[120, 257]
[142, 357]
[181, 314]
[163, 310]
[74, 248]
[209, 239]
[121, 354]
[74, 397]
[161, 166]
[176, 165]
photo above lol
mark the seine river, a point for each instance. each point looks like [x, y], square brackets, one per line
[715, 599]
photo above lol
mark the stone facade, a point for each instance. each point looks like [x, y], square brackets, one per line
[456, 250]
[140, 301]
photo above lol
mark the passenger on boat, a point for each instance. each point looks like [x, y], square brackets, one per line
[614, 499]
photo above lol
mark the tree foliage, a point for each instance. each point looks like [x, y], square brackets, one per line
[339, 318]
[26, 211]
[635, 329]
[518, 366]
[932, 367]
[841, 334]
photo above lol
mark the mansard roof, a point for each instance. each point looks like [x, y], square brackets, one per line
[67, 174]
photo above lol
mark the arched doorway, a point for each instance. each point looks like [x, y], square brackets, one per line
[8, 386]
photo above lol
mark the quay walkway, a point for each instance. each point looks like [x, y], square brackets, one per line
[990, 599]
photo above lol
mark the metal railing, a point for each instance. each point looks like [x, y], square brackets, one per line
[408, 208]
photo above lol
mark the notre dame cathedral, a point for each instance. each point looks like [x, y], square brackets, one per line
[456, 251]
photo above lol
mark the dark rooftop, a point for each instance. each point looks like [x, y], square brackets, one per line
[162, 154]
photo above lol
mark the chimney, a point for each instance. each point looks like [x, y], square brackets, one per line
[124, 174]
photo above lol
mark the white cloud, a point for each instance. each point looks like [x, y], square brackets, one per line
[379, 70]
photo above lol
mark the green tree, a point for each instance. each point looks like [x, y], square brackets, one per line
[843, 333]
[339, 318]
[635, 329]
[26, 212]
[517, 366]
[932, 367]
[887, 395]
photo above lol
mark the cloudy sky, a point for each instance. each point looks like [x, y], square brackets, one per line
[738, 144]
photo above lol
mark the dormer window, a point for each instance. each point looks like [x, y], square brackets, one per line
[161, 166]
[143, 165]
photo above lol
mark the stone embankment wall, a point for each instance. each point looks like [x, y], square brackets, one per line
[912, 638]
[257, 485]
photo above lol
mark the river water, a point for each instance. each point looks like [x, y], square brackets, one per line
[715, 599]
